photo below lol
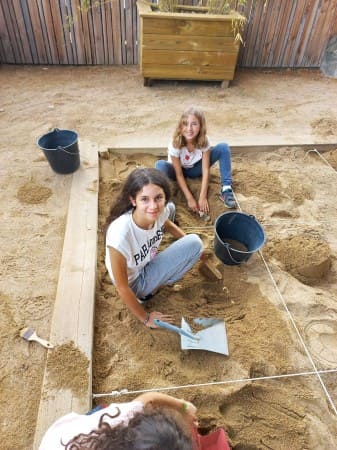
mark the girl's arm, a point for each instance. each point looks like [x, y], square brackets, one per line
[119, 270]
[158, 399]
[203, 202]
[192, 203]
[173, 229]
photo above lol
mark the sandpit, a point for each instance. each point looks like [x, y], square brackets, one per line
[267, 393]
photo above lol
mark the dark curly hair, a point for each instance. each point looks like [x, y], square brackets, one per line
[152, 429]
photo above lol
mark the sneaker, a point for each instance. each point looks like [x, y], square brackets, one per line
[147, 297]
[227, 197]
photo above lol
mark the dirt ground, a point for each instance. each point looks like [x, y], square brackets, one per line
[280, 310]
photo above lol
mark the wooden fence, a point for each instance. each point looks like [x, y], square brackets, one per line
[278, 34]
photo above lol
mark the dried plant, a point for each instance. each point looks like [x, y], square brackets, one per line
[167, 5]
[208, 6]
[222, 6]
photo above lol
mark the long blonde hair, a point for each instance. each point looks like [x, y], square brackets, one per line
[201, 140]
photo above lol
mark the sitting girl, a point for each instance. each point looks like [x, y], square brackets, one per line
[135, 227]
[190, 155]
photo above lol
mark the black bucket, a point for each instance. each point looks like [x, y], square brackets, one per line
[61, 150]
[237, 237]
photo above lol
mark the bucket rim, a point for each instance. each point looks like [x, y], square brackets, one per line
[53, 131]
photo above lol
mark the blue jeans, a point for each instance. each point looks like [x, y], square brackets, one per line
[221, 152]
[168, 266]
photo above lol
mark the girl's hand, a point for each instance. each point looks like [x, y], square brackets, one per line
[157, 315]
[203, 205]
[204, 256]
[190, 412]
[192, 204]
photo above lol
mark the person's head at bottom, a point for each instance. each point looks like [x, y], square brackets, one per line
[152, 429]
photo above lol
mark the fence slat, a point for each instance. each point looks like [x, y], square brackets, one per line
[104, 33]
[21, 45]
[92, 36]
[76, 30]
[47, 31]
[37, 30]
[30, 32]
[312, 14]
[129, 32]
[283, 29]
[327, 17]
[5, 38]
[11, 27]
[21, 28]
[116, 32]
[82, 17]
[278, 33]
[98, 34]
[268, 54]
[59, 13]
[333, 23]
[253, 36]
[123, 33]
[109, 34]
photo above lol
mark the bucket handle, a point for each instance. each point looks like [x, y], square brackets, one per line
[230, 255]
[65, 151]
[57, 130]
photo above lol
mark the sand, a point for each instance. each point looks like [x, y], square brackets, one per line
[280, 310]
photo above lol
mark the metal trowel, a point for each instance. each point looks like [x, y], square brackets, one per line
[211, 337]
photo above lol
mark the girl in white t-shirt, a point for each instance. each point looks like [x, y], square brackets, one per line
[135, 227]
[190, 155]
[153, 420]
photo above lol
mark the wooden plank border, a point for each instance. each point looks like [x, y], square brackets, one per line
[235, 149]
[73, 313]
[73, 316]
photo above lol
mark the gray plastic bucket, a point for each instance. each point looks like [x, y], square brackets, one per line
[237, 237]
[61, 150]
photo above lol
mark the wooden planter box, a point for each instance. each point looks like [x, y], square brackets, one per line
[186, 46]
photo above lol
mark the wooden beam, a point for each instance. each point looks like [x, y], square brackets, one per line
[235, 149]
[72, 320]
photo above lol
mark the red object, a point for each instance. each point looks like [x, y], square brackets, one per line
[217, 440]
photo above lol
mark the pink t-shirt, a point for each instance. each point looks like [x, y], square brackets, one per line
[72, 424]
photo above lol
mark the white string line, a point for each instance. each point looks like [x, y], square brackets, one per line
[298, 333]
[213, 383]
[322, 157]
[294, 227]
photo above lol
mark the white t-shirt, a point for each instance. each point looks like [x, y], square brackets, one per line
[69, 426]
[187, 159]
[137, 245]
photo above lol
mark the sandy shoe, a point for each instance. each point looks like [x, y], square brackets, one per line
[227, 197]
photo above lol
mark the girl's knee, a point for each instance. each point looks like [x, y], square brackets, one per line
[224, 148]
[195, 243]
